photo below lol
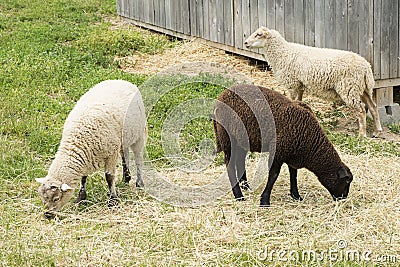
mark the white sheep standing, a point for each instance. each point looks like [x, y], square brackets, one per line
[327, 73]
[107, 121]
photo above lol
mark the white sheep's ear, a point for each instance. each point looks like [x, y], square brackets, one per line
[65, 187]
[265, 30]
[41, 180]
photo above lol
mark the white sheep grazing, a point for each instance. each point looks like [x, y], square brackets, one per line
[107, 121]
[327, 73]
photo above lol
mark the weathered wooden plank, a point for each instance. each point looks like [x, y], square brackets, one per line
[254, 18]
[299, 20]
[200, 18]
[398, 58]
[363, 30]
[330, 23]
[320, 23]
[262, 13]
[377, 39]
[141, 10]
[193, 17]
[309, 22]
[146, 11]
[185, 16]
[228, 23]
[353, 25]
[289, 20]
[133, 10]
[212, 9]
[280, 16]
[238, 24]
[271, 16]
[246, 22]
[178, 16]
[385, 39]
[384, 96]
[156, 10]
[151, 11]
[168, 19]
[394, 38]
[387, 82]
[219, 4]
[119, 7]
[206, 20]
[162, 12]
[341, 24]
[254, 15]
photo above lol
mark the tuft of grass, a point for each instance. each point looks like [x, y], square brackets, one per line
[394, 128]
[164, 94]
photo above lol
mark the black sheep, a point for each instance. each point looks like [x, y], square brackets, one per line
[287, 129]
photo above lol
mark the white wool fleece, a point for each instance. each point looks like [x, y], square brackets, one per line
[93, 132]
[327, 73]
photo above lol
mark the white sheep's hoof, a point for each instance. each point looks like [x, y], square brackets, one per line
[376, 134]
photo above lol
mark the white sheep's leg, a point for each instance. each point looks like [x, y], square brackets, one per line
[138, 150]
[295, 89]
[366, 98]
[362, 121]
[125, 166]
[110, 178]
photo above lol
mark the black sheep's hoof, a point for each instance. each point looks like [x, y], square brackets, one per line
[296, 197]
[245, 186]
[265, 204]
[114, 201]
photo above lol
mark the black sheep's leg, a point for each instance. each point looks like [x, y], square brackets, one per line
[294, 191]
[82, 191]
[241, 168]
[273, 175]
[230, 166]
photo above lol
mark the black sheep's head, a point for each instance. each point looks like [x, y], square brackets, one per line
[338, 182]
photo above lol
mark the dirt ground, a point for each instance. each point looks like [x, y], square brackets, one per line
[198, 51]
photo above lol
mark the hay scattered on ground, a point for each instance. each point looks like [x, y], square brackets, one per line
[226, 232]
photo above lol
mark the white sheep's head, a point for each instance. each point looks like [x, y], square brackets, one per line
[257, 39]
[262, 37]
[54, 194]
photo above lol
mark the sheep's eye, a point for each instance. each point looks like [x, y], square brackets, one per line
[259, 34]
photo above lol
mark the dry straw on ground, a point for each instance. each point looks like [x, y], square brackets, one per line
[142, 230]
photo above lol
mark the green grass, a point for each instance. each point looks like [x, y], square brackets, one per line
[394, 128]
[51, 52]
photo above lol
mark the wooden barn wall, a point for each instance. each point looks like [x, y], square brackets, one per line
[368, 27]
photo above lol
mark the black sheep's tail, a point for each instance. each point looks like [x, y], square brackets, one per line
[215, 124]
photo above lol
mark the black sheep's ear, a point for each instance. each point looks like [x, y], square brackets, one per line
[344, 174]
